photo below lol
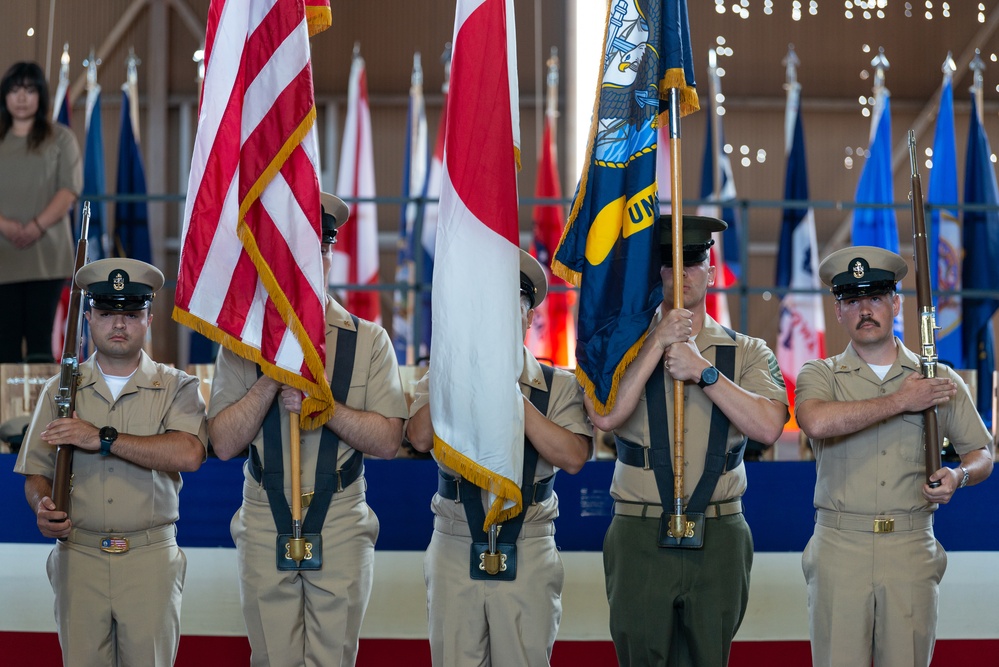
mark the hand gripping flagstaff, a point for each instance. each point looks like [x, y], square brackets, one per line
[69, 371]
[679, 526]
[927, 313]
[296, 544]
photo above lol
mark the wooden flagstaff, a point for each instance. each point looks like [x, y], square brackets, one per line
[678, 520]
[296, 544]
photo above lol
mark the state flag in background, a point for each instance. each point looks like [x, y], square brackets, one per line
[425, 246]
[131, 218]
[981, 243]
[878, 226]
[945, 231]
[414, 176]
[355, 255]
[93, 171]
[552, 334]
[725, 252]
[802, 326]
[475, 400]
[61, 109]
[61, 112]
[253, 198]
[610, 247]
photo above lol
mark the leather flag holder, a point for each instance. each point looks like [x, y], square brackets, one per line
[313, 553]
[692, 539]
[508, 562]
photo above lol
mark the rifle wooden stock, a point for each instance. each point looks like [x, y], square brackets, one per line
[69, 371]
[927, 313]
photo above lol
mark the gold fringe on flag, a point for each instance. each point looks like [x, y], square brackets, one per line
[503, 488]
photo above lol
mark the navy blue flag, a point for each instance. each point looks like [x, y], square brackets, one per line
[93, 177]
[981, 244]
[131, 218]
[610, 248]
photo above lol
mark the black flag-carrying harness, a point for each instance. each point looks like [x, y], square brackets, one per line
[658, 458]
[329, 479]
[470, 496]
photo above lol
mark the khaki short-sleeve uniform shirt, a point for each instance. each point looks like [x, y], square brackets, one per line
[881, 470]
[29, 179]
[374, 387]
[755, 371]
[109, 494]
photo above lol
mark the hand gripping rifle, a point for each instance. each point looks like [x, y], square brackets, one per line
[69, 371]
[927, 313]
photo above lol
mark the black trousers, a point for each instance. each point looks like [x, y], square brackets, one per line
[31, 308]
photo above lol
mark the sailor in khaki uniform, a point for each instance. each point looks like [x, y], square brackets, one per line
[504, 621]
[682, 606]
[306, 616]
[118, 573]
[873, 566]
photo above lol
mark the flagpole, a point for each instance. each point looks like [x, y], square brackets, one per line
[296, 543]
[678, 520]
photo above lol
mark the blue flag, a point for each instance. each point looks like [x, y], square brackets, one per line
[981, 243]
[610, 247]
[131, 218]
[93, 177]
[415, 164]
[945, 232]
[878, 226]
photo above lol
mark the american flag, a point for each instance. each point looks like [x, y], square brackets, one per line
[251, 273]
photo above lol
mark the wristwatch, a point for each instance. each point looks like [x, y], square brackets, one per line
[964, 480]
[108, 435]
[708, 377]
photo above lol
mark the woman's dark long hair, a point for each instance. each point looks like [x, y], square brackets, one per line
[30, 75]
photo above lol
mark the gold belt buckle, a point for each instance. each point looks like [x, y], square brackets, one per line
[884, 525]
[307, 499]
[114, 545]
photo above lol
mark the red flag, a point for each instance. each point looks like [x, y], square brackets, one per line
[251, 273]
[356, 250]
[478, 354]
[553, 333]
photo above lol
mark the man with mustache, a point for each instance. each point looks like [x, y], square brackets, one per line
[873, 565]
[117, 571]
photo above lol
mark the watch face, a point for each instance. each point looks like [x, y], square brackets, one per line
[108, 433]
[709, 376]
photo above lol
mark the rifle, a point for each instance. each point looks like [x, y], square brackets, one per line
[69, 371]
[927, 313]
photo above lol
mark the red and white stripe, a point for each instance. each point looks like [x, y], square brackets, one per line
[356, 251]
[477, 346]
[251, 273]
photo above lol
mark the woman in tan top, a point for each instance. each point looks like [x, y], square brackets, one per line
[40, 178]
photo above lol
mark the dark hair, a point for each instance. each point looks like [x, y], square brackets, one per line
[26, 74]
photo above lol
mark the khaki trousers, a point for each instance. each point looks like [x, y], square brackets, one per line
[307, 617]
[872, 596]
[493, 623]
[118, 609]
